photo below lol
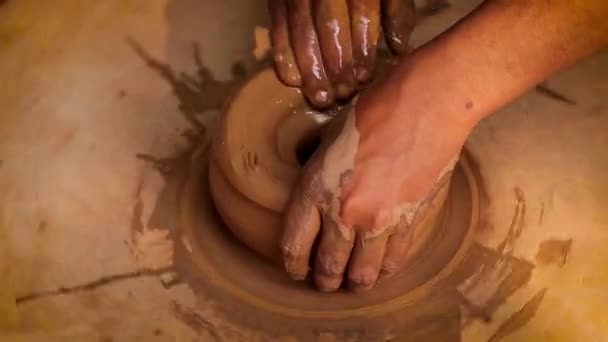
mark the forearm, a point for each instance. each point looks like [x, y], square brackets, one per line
[496, 53]
[413, 124]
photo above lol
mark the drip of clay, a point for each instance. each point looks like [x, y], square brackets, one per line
[256, 160]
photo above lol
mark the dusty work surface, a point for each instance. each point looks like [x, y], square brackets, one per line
[105, 106]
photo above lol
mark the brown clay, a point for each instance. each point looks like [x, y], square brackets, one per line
[255, 164]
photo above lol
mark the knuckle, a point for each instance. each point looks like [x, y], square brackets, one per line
[331, 264]
[290, 251]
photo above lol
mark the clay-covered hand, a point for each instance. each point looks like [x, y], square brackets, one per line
[369, 182]
[328, 47]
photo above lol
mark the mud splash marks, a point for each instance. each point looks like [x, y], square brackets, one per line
[137, 225]
[520, 318]
[545, 91]
[195, 321]
[501, 274]
[198, 95]
[103, 281]
[553, 251]
[517, 224]
[541, 215]
[499, 278]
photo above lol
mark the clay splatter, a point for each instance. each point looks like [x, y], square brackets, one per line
[520, 318]
[103, 281]
[517, 224]
[196, 93]
[136, 217]
[544, 90]
[195, 321]
[553, 251]
[541, 216]
[500, 275]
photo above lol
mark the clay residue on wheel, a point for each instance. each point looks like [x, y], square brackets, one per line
[553, 251]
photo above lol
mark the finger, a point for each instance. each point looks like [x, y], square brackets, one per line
[333, 31]
[301, 227]
[365, 32]
[284, 60]
[400, 243]
[366, 261]
[397, 248]
[315, 84]
[332, 256]
[398, 21]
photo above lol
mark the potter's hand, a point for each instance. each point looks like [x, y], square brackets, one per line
[370, 185]
[327, 47]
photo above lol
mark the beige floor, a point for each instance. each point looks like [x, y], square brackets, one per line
[94, 92]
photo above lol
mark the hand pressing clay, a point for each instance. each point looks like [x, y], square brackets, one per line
[257, 159]
[340, 49]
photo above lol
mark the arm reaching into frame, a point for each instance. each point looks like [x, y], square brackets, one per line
[404, 131]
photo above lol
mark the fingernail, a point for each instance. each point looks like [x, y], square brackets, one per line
[327, 284]
[343, 90]
[362, 74]
[322, 98]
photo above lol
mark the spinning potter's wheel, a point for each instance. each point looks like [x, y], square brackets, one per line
[263, 137]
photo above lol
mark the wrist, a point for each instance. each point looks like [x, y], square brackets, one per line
[432, 85]
[414, 97]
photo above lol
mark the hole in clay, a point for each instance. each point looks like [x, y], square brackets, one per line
[307, 147]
